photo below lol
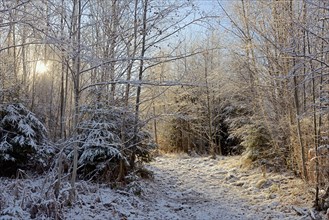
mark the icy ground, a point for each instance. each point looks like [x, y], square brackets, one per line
[183, 188]
[202, 188]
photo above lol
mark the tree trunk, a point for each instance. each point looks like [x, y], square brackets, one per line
[76, 21]
[299, 132]
[139, 87]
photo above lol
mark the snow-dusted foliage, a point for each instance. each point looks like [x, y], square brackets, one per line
[106, 139]
[23, 142]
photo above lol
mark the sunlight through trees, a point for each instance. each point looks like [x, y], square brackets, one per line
[113, 81]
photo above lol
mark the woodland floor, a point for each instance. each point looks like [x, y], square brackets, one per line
[183, 188]
[202, 188]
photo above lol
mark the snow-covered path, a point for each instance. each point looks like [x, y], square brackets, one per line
[183, 188]
[202, 188]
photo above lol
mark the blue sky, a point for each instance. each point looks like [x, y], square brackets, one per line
[208, 8]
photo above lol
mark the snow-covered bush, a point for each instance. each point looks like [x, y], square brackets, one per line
[23, 141]
[11, 213]
[106, 139]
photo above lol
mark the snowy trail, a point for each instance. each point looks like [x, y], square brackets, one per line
[184, 188]
[201, 188]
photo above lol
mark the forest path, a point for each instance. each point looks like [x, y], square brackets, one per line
[183, 188]
[202, 188]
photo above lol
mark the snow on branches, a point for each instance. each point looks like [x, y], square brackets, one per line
[23, 141]
[106, 139]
